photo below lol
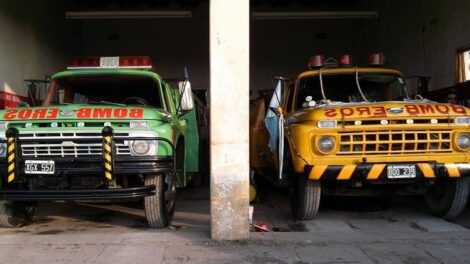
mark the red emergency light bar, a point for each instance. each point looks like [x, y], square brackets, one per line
[345, 61]
[316, 61]
[377, 59]
[125, 62]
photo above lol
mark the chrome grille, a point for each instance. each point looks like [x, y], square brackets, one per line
[67, 144]
[395, 142]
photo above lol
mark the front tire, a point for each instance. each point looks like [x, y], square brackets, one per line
[448, 197]
[159, 208]
[305, 198]
[16, 214]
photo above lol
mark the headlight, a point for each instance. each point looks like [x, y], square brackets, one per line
[326, 144]
[326, 123]
[463, 141]
[140, 147]
[462, 120]
[3, 149]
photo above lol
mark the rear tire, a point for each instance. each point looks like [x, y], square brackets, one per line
[159, 208]
[448, 197]
[16, 214]
[305, 198]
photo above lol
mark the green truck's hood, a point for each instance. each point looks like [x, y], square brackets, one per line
[84, 112]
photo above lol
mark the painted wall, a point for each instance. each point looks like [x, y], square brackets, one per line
[446, 27]
[171, 43]
[33, 42]
[420, 37]
[283, 47]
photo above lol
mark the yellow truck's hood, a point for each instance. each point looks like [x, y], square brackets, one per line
[389, 110]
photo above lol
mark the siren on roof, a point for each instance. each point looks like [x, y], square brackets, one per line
[376, 59]
[345, 60]
[316, 61]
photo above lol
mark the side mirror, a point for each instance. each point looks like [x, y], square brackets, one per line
[187, 102]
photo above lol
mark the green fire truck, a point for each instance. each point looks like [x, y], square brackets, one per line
[110, 128]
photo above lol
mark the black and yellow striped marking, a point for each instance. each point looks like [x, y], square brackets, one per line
[375, 171]
[346, 172]
[11, 159]
[317, 172]
[453, 170]
[378, 171]
[108, 152]
[427, 170]
[108, 157]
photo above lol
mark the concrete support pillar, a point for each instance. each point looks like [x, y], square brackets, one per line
[229, 104]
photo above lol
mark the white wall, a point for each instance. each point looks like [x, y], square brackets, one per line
[419, 37]
[171, 43]
[283, 47]
[446, 27]
[33, 42]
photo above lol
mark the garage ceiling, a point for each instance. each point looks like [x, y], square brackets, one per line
[83, 5]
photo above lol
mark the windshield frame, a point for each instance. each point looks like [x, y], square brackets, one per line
[84, 73]
[345, 71]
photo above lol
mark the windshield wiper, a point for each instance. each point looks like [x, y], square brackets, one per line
[106, 103]
[359, 86]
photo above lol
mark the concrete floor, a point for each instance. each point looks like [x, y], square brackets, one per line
[345, 231]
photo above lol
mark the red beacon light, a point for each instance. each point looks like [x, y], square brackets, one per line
[125, 62]
[376, 59]
[316, 61]
[345, 61]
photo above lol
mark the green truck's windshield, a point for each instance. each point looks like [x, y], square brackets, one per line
[343, 88]
[104, 89]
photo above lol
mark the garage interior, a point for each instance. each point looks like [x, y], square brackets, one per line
[420, 38]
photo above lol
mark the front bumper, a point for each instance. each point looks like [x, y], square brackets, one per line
[378, 172]
[17, 185]
[60, 195]
[94, 166]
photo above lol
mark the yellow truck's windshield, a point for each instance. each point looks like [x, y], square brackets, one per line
[343, 88]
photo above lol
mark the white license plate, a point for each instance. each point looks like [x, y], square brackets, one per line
[109, 62]
[401, 171]
[39, 167]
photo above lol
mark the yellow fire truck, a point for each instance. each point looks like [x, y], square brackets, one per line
[346, 130]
